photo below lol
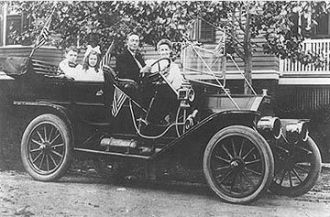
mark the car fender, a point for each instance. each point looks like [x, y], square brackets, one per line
[201, 133]
[59, 110]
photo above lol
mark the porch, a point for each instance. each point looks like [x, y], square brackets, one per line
[296, 73]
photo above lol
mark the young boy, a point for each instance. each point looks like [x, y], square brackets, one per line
[69, 66]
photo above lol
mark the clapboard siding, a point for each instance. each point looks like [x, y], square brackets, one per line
[260, 60]
[51, 55]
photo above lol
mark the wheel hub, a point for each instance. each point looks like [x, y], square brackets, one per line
[289, 163]
[237, 164]
[45, 147]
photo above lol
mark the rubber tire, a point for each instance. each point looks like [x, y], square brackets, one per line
[67, 138]
[309, 182]
[265, 153]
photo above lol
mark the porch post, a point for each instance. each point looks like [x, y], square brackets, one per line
[309, 18]
[5, 11]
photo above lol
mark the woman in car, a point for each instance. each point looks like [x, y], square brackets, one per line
[174, 76]
[166, 103]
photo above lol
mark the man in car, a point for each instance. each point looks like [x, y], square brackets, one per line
[130, 62]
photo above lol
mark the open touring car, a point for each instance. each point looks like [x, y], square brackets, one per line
[235, 139]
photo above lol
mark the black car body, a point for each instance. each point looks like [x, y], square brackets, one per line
[235, 139]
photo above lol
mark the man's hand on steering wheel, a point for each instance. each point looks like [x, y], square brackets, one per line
[163, 67]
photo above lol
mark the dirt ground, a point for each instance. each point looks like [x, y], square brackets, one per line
[86, 194]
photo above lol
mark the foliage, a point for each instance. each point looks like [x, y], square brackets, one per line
[285, 41]
[77, 21]
[274, 21]
[243, 21]
[74, 22]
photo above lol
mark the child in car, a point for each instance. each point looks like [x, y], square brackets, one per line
[69, 67]
[91, 68]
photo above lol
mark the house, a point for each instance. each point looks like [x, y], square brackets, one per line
[298, 90]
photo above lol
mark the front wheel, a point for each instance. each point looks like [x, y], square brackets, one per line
[297, 168]
[238, 164]
[46, 149]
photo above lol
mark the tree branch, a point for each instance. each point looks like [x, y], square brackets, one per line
[239, 53]
[236, 40]
[239, 20]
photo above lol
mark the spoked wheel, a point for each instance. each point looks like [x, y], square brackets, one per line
[238, 164]
[297, 168]
[183, 125]
[46, 148]
[180, 118]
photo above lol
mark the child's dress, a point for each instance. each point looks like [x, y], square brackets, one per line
[91, 74]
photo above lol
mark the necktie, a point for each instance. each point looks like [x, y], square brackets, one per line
[137, 62]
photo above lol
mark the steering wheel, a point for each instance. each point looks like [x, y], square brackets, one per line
[163, 65]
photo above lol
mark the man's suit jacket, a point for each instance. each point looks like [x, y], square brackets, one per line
[127, 67]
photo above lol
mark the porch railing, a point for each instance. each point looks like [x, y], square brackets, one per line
[320, 46]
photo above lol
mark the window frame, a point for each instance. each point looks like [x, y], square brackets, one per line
[315, 35]
[199, 30]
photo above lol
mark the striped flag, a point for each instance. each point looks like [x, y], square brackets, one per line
[44, 34]
[43, 37]
[119, 97]
[107, 56]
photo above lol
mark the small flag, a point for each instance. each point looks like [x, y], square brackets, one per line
[119, 97]
[107, 56]
[44, 34]
[43, 37]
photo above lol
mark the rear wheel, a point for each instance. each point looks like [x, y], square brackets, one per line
[46, 150]
[238, 164]
[297, 168]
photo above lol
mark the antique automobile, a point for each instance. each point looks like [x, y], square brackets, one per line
[234, 139]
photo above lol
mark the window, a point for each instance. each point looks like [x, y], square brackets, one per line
[300, 25]
[12, 22]
[321, 30]
[206, 32]
[295, 20]
[203, 32]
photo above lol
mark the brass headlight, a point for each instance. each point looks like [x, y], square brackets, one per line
[297, 132]
[270, 126]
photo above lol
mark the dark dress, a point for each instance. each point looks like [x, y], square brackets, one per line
[126, 66]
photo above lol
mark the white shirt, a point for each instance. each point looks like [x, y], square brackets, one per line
[173, 77]
[68, 70]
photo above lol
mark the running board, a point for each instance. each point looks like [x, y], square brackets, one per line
[112, 153]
